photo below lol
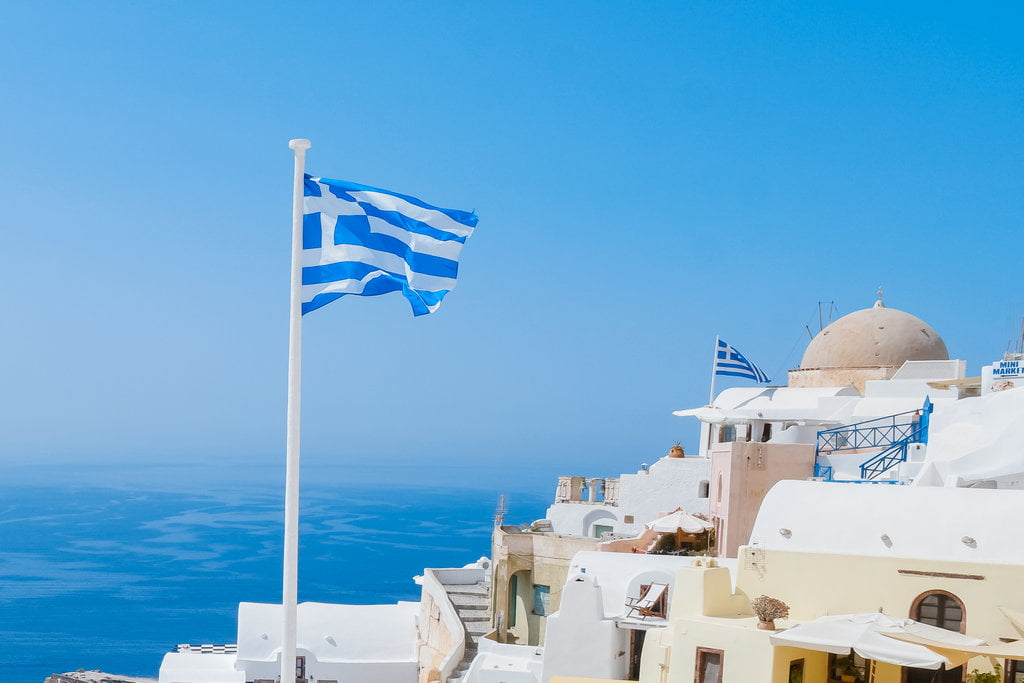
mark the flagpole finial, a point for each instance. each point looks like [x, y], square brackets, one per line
[300, 143]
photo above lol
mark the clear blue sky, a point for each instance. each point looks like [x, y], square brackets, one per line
[647, 175]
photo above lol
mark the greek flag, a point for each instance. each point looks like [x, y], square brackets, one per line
[366, 241]
[729, 361]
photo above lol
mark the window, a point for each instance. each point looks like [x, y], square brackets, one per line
[300, 669]
[1014, 671]
[945, 610]
[709, 666]
[796, 671]
[766, 435]
[718, 493]
[727, 433]
[940, 609]
[541, 600]
[703, 488]
[600, 529]
[628, 519]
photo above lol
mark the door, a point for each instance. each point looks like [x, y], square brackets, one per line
[636, 646]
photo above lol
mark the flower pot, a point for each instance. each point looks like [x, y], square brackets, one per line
[766, 625]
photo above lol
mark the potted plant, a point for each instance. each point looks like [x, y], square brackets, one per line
[994, 676]
[848, 669]
[768, 610]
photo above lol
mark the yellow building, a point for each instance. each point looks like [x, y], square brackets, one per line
[948, 557]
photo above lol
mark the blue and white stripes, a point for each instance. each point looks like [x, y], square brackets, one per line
[729, 361]
[366, 241]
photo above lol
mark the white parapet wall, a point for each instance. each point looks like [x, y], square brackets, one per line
[441, 634]
[502, 663]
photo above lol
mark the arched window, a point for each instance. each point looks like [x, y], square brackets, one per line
[945, 610]
[942, 609]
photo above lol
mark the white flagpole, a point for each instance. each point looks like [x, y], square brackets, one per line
[290, 592]
[714, 363]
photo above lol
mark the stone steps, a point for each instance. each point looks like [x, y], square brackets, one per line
[479, 606]
[468, 589]
[472, 603]
[475, 629]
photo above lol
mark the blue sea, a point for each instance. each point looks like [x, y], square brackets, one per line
[109, 567]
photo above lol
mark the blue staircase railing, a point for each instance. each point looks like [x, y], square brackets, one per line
[893, 434]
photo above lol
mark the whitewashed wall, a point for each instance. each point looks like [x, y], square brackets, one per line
[670, 483]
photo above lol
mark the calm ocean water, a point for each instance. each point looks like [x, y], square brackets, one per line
[99, 570]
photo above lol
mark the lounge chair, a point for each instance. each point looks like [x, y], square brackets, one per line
[650, 603]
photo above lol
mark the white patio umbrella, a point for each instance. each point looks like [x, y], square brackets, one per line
[862, 633]
[679, 521]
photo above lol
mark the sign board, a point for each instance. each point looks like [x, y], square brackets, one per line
[1002, 375]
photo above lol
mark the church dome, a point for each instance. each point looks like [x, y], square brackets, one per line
[874, 337]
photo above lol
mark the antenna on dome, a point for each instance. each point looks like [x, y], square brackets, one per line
[823, 321]
[880, 293]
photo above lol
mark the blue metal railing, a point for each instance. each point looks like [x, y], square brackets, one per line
[893, 434]
[883, 431]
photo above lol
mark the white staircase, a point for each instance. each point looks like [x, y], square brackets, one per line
[473, 604]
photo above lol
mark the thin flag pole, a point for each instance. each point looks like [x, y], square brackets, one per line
[290, 592]
[714, 364]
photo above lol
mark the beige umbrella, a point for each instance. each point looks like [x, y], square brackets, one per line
[680, 521]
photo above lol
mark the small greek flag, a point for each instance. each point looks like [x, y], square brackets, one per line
[366, 241]
[729, 361]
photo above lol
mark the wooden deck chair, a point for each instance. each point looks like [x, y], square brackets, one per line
[651, 602]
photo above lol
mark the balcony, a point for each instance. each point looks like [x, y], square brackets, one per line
[588, 490]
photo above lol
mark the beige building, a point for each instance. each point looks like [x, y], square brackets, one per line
[530, 568]
[741, 475]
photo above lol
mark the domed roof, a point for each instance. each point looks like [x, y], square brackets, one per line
[874, 337]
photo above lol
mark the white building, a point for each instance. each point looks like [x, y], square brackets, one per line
[596, 632]
[630, 500]
[976, 442]
[879, 372]
[334, 643]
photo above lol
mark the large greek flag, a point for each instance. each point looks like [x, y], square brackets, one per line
[367, 241]
[729, 361]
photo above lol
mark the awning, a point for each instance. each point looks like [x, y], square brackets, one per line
[959, 654]
[865, 634]
[1016, 619]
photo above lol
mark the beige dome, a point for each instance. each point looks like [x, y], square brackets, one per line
[874, 337]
